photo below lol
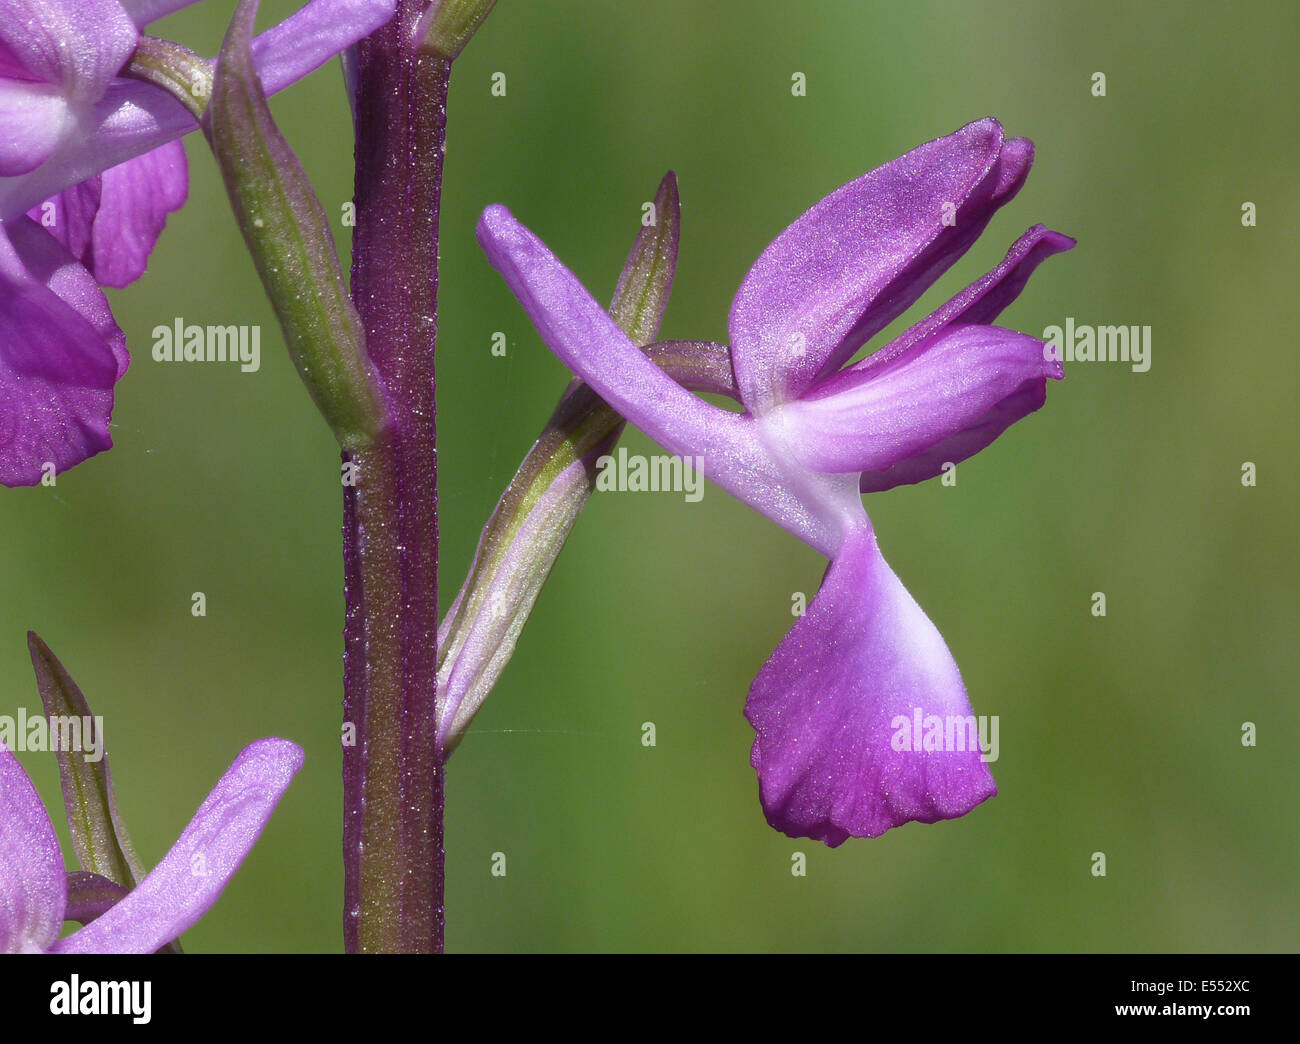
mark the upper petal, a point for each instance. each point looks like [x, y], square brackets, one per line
[847, 267]
[60, 355]
[829, 708]
[858, 422]
[33, 887]
[190, 878]
[579, 331]
[77, 44]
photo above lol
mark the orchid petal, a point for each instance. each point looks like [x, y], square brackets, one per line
[310, 37]
[33, 886]
[79, 45]
[858, 258]
[859, 422]
[135, 199]
[982, 301]
[70, 217]
[143, 12]
[960, 446]
[826, 710]
[590, 343]
[10, 67]
[134, 117]
[580, 332]
[35, 118]
[111, 222]
[60, 355]
[192, 875]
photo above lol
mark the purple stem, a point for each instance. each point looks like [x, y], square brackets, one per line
[392, 777]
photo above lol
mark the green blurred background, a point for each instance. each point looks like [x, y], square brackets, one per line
[1119, 735]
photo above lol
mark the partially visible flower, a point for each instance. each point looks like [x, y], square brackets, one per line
[90, 161]
[34, 887]
[61, 60]
[61, 353]
[827, 706]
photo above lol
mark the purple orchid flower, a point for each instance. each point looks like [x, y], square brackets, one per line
[90, 167]
[34, 888]
[826, 707]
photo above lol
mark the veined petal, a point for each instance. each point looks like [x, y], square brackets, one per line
[578, 330]
[830, 706]
[33, 886]
[78, 45]
[60, 355]
[35, 118]
[183, 887]
[134, 117]
[856, 260]
[859, 422]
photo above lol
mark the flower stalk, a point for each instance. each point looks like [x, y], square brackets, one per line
[393, 775]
